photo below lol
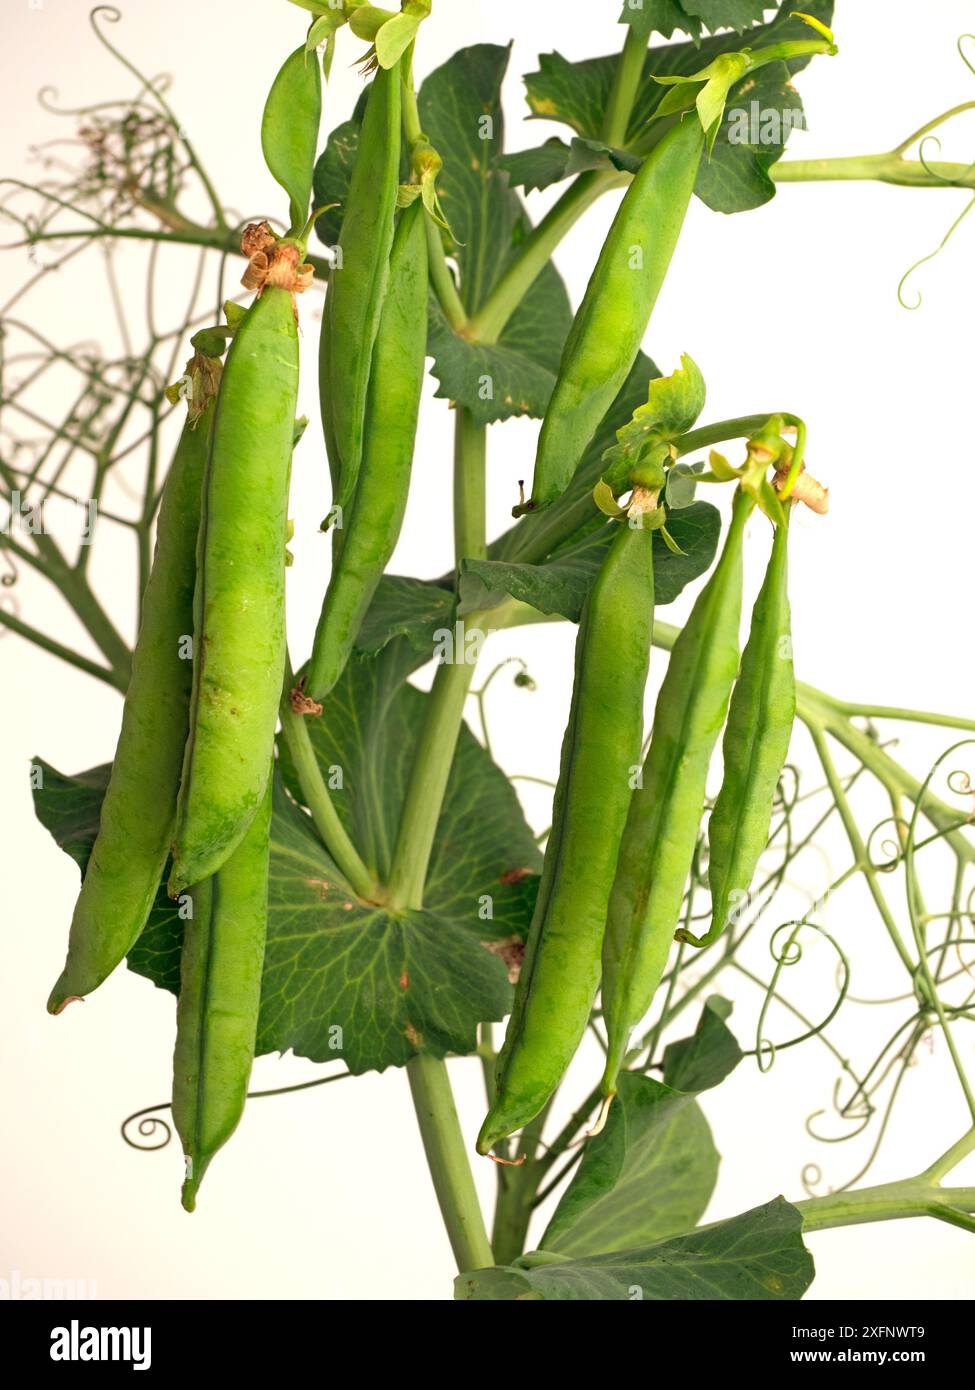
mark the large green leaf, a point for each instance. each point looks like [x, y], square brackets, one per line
[650, 1174]
[368, 730]
[758, 1255]
[556, 160]
[737, 176]
[561, 584]
[342, 978]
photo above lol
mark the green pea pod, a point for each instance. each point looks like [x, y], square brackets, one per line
[661, 829]
[395, 383]
[601, 749]
[289, 130]
[756, 745]
[239, 641]
[139, 809]
[219, 1000]
[357, 284]
[607, 330]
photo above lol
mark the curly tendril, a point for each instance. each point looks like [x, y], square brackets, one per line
[927, 140]
[150, 1122]
[787, 955]
[152, 1132]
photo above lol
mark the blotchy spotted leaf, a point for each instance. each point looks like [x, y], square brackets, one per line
[346, 980]
[343, 979]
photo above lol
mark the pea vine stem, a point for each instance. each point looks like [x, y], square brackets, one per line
[889, 1202]
[447, 1159]
[323, 813]
[433, 1101]
[888, 167]
[440, 273]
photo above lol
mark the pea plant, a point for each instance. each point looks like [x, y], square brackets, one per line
[314, 855]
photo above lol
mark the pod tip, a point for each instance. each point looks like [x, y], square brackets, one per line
[59, 1001]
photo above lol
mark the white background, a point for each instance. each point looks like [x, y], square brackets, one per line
[325, 1194]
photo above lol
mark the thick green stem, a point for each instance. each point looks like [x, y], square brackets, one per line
[951, 1158]
[447, 1159]
[626, 84]
[470, 499]
[535, 251]
[888, 1202]
[888, 167]
[445, 709]
[432, 760]
[441, 277]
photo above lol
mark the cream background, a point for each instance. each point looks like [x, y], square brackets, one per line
[325, 1194]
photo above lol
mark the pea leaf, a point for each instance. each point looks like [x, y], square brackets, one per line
[538, 167]
[561, 584]
[289, 129]
[661, 17]
[758, 1255]
[737, 177]
[709, 1055]
[650, 1174]
[342, 978]
[555, 160]
[460, 110]
[724, 14]
[762, 112]
[404, 607]
[514, 376]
